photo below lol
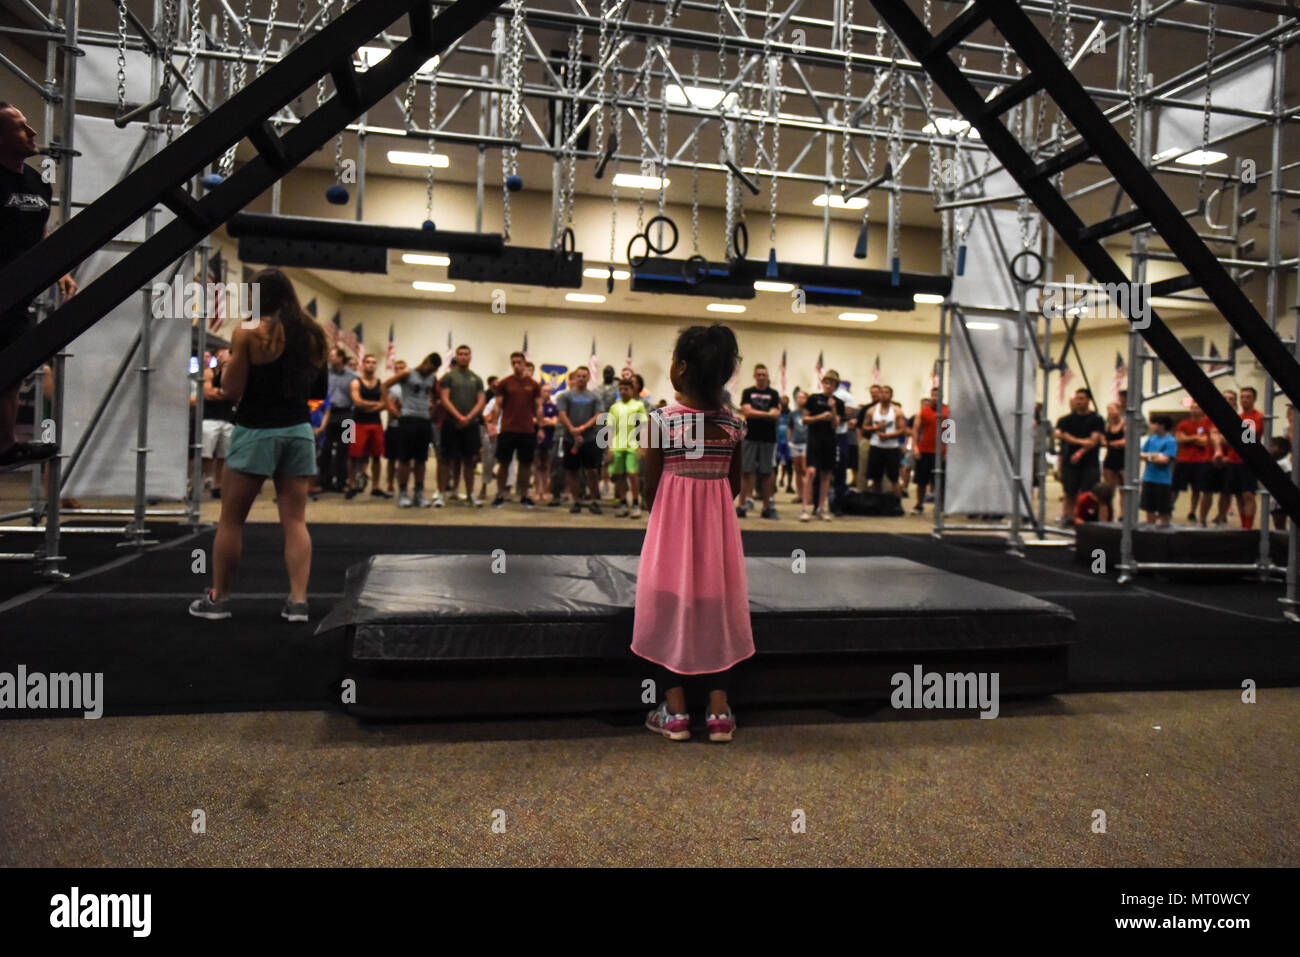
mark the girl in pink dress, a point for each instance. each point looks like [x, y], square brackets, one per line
[692, 595]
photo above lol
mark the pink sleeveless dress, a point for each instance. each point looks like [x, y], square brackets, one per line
[692, 593]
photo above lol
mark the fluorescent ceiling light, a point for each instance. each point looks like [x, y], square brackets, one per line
[637, 181]
[770, 285]
[950, 126]
[369, 56]
[858, 316]
[724, 307]
[983, 325]
[705, 97]
[1202, 158]
[927, 298]
[839, 202]
[584, 297]
[433, 286]
[404, 158]
[600, 272]
[425, 259]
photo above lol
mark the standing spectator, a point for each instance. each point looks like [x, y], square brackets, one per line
[392, 440]
[489, 426]
[415, 430]
[1280, 448]
[624, 422]
[580, 411]
[519, 403]
[1246, 482]
[1220, 477]
[888, 428]
[783, 469]
[558, 471]
[821, 413]
[1080, 435]
[844, 447]
[1112, 466]
[798, 444]
[1193, 437]
[218, 423]
[926, 438]
[864, 429]
[1042, 437]
[1158, 452]
[334, 457]
[274, 370]
[608, 393]
[546, 443]
[25, 200]
[760, 405]
[463, 397]
[368, 436]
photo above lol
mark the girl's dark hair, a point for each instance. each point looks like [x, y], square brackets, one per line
[305, 346]
[711, 354]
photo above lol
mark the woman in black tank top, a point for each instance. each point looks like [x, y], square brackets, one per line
[1112, 466]
[273, 370]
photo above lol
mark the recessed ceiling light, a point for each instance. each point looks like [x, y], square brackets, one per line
[983, 325]
[425, 259]
[839, 202]
[769, 285]
[705, 97]
[1202, 158]
[600, 272]
[584, 297]
[423, 286]
[405, 158]
[950, 126]
[636, 181]
[927, 298]
[724, 307]
[858, 316]
[370, 56]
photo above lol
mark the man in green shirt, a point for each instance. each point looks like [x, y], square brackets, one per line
[625, 418]
[463, 396]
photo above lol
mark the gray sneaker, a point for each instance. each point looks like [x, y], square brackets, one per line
[403, 500]
[294, 610]
[421, 501]
[770, 512]
[209, 608]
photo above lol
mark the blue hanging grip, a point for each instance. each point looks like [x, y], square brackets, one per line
[336, 194]
[771, 263]
[894, 272]
[961, 260]
[860, 250]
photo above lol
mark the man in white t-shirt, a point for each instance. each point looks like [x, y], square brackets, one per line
[889, 428]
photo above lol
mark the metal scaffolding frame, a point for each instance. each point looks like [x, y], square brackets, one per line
[827, 116]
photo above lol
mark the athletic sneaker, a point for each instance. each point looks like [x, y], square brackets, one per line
[824, 515]
[380, 493]
[527, 502]
[575, 508]
[421, 501]
[770, 512]
[622, 512]
[438, 501]
[475, 501]
[403, 501]
[350, 493]
[555, 502]
[499, 501]
[294, 610]
[674, 727]
[740, 511]
[594, 508]
[636, 511]
[1191, 517]
[208, 607]
[805, 515]
[722, 726]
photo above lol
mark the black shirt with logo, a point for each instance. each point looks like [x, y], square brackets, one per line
[761, 400]
[816, 404]
[24, 210]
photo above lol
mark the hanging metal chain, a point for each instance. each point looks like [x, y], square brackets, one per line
[235, 79]
[171, 27]
[514, 67]
[774, 93]
[1205, 117]
[1135, 19]
[873, 121]
[191, 60]
[573, 80]
[965, 218]
[602, 54]
[695, 167]
[727, 132]
[324, 22]
[936, 180]
[642, 86]
[896, 109]
[845, 146]
[121, 58]
[613, 188]
[433, 128]
[666, 50]
[266, 39]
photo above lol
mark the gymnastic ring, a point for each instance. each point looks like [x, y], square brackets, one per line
[737, 231]
[1205, 212]
[1027, 280]
[694, 269]
[664, 251]
[568, 245]
[636, 262]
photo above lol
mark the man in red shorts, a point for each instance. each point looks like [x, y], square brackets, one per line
[1194, 454]
[368, 429]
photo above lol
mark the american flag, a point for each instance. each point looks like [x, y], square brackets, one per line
[875, 371]
[817, 372]
[783, 374]
[627, 366]
[1067, 376]
[1214, 354]
[593, 364]
[524, 350]
[359, 336]
[390, 357]
[934, 375]
[218, 317]
[345, 339]
[1121, 375]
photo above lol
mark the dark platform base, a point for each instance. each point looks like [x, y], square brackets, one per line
[432, 636]
[1180, 543]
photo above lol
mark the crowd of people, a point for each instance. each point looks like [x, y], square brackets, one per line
[1188, 456]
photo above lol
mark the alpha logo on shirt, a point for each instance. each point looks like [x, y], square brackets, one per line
[27, 202]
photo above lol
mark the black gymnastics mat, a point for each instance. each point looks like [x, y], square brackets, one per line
[439, 635]
[1177, 543]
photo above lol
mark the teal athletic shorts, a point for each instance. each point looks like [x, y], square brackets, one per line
[284, 452]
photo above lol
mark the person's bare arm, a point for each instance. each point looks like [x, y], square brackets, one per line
[393, 380]
[210, 392]
[653, 466]
[444, 396]
[733, 477]
[235, 375]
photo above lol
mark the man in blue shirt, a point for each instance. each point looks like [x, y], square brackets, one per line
[1159, 450]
